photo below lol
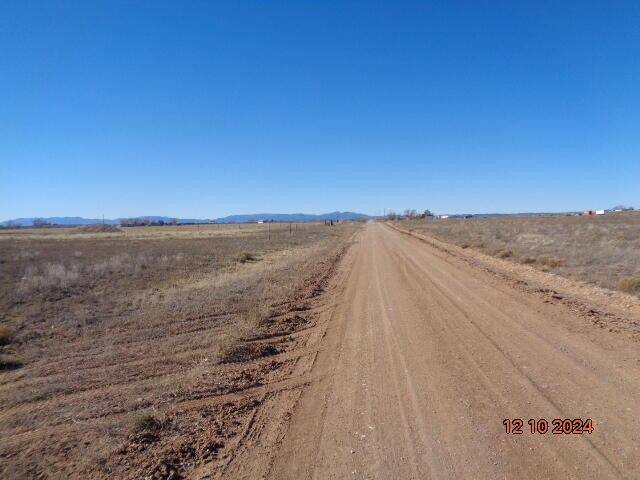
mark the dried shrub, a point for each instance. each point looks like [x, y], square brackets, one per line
[125, 263]
[149, 423]
[245, 352]
[548, 260]
[630, 285]
[6, 334]
[244, 257]
[527, 260]
[9, 362]
[51, 275]
[502, 253]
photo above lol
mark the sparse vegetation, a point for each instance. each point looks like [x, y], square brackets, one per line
[548, 260]
[148, 423]
[110, 325]
[471, 245]
[6, 334]
[527, 260]
[49, 276]
[630, 285]
[10, 361]
[244, 257]
[604, 250]
[98, 228]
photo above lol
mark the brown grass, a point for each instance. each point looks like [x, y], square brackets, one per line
[98, 228]
[109, 326]
[6, 334]
[548, 260]
[10, 362]
[471, 245]
[149, 423]
[244, 257]
[603, 250]
[8, 359]
[527, 260]
[630, 285]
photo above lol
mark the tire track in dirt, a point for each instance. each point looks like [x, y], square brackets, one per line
[418, 281]
[425, 356]
[211, 417]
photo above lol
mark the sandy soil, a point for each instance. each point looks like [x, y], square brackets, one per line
[160, 373]
[400, 359]
[427, 351]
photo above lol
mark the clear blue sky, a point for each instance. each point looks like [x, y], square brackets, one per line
[208, 108]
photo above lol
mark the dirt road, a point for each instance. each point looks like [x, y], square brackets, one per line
[424, 357]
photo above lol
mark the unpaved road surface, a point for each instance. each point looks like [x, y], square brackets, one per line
[424, 356]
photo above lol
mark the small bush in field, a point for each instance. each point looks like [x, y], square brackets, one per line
[6, 334]
[9, 362]
[472, 245]
[527, 260]
[549, 260]
[148, 423]
[502, 253]
[50, 276]
[244, 257]
[630, 285]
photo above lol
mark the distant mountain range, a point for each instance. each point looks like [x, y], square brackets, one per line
[290, 217]
[255, 217]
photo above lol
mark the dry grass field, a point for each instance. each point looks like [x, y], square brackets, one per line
[112, 340]
[602, 250]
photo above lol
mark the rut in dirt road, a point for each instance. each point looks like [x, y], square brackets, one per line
[424, 358]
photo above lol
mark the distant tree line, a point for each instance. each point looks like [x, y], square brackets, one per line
[145, 222]
[409, 214]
